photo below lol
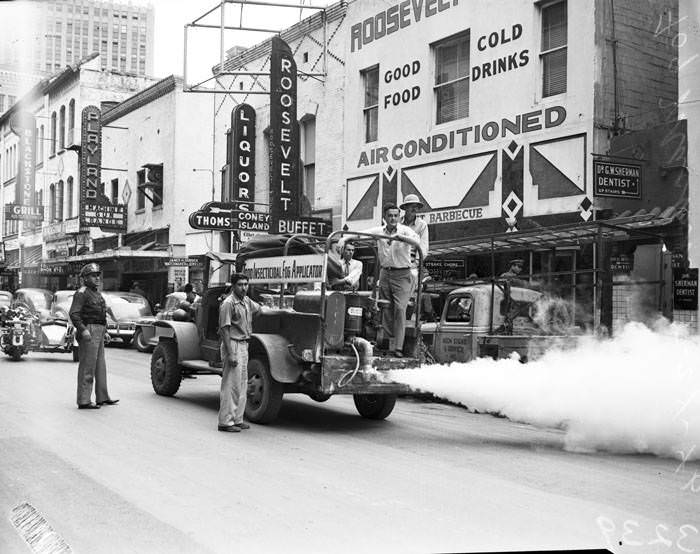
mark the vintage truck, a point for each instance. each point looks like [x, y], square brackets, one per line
[317, 348]
[495, 319]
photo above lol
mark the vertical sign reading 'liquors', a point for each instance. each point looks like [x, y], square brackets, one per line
[284, 136]
[90, 162]
[243, 156]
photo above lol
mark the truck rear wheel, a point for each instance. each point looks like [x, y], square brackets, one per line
[165, 373]
[264, 393]
[374, 406]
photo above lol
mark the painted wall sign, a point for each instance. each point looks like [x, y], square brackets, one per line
[493, 67]
[489, 131]
[285, 185]
[685, 289]
[399, 16]
[23, 124]
[243, 154]
[308, 268]
[617, 179]
[451, 216]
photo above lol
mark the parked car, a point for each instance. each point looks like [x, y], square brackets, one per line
[60, 304]
[144, 337]
[36, 300]
[5, 299]
[128, 308]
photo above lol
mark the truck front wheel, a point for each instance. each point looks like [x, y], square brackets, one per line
[374, 406]
[165, 373]
[264, 393]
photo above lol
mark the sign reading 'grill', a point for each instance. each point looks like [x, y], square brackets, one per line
[617, 180]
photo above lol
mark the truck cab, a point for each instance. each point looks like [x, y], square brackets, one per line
[487, 319]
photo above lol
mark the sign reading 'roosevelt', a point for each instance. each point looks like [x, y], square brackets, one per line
[284, 136]
[243, 155]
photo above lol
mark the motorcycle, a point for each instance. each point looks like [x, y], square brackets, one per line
[16, 333]
[23, 331]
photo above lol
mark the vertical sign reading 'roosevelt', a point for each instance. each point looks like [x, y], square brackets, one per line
[284, 136]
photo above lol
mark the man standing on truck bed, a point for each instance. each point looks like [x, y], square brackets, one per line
[395, 276]
[411, 204]
[235, 327]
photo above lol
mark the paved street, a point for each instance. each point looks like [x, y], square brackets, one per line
[153, 475]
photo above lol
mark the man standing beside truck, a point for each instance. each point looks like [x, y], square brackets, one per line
[235, 327]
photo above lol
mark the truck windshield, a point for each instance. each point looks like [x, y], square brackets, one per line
[459, 310]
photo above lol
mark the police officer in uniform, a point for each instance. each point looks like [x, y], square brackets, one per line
[88, 312]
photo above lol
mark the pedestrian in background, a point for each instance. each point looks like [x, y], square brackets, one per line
[88, 312]
[136, 289]
[235, 327]
[351, 268]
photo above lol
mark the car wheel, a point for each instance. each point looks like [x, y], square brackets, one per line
[165, 372]
[76, 353]
[374, 406]
[264, 393]
[16, 354]
[319, 396]
[140, 342]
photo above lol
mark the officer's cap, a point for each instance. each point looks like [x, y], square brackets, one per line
[90, 269]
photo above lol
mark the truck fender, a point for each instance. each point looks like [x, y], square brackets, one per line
[184, 333]
[283, 367]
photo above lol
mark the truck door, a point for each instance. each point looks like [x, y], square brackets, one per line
[454, 337]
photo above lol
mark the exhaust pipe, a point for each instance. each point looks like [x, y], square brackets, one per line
[366, 351]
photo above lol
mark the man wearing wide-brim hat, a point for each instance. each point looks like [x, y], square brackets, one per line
[410, 205]
[88, 312]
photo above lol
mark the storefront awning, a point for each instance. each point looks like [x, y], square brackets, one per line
[623, 227]
[222, 257]
[111, 255]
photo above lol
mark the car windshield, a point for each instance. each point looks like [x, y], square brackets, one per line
[5, 299]
[41, 300]
[63, 299]
[128, 306]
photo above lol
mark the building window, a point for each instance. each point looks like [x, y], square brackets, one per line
[53, 134]
[59, 201]
[62, 128]
[553, 55]
[40, 150]
[140, 197]
[452, 78]
[71, 121]
[370, 78]
[69, 198]
[11, 100]
[52, 203]
[115, 191]
[308, 158]
[2, 103]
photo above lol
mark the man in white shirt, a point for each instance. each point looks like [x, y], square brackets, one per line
[352, 270]
[395, 276]
[411, 204]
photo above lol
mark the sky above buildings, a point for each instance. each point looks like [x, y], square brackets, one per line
[203, 44]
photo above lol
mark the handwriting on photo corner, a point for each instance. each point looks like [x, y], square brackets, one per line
[632, 533]
[693, 485]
